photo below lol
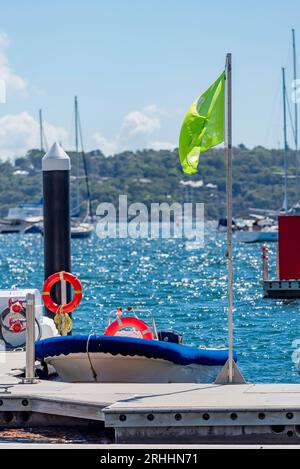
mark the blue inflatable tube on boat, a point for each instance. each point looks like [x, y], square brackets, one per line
[127, 346]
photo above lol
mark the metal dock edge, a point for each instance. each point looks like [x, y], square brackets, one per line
[210, 414]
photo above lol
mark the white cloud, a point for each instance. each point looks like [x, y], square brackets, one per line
[20, 132]
[14, 83]
[134, 133]
[4, 41]
[137, 122]
[157, 145]
[108, 147]
[2, 91]
[55, 133]
[154, 109]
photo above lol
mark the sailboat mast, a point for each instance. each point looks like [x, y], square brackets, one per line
[90, 211]
[285, 142]
[296, 115]
[41, 131]
[77, 154]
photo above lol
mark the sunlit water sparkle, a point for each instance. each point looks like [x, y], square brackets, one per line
[184, 287]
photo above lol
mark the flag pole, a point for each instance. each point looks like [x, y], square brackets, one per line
[230, 373]
[228, 160]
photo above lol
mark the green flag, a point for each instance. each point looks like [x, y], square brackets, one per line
[203, 126]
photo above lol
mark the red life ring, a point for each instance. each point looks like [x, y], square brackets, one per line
[121, 323]
[52, 280]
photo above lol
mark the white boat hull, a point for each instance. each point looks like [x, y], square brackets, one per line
[7, 227]
[76, 367]
[257, 236]
[82, 230]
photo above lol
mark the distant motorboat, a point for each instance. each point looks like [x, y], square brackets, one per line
[295, 210]
[13, 226]
[222, 225]
[29, 212]
[22, 219]
[78, 229]
[263, 236]
[263, 229]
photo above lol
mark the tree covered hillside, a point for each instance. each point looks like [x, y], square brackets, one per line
[155, 176]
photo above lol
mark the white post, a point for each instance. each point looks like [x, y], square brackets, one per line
[264, 250]
[63, 286]
[30, 339]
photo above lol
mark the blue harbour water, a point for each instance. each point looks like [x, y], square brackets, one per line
[185, 288]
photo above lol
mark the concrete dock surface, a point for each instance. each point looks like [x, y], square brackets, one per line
[155, 413]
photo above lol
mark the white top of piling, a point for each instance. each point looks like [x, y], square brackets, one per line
[56, 159]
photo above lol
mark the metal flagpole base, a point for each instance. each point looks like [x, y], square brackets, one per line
[223, 376]
[29, 381]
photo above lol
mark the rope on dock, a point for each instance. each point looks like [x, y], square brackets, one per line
[95, 376]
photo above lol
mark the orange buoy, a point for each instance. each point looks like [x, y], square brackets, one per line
[51, 281]
[121, 323]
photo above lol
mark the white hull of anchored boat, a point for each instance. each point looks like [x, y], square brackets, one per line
[257, 236]
[78, 367]
[82, 230]
[8, 227]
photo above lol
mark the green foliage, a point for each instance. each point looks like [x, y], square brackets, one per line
[155, 176]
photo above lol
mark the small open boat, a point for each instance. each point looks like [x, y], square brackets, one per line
[100, 358]
[140, 354]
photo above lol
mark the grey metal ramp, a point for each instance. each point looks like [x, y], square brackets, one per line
[209, 413]
[80, 400]
[56, 398]
[209, 396]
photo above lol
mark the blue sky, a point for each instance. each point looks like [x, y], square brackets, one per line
[136, 66]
